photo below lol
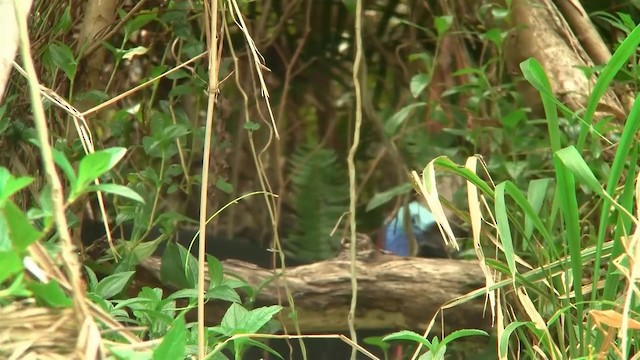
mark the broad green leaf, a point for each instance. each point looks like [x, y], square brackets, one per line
[224, 185]
[64, 24]
[112, 285]
[223, 293]
[62, 57]
[350, 5]
[63, 163]
[382, 198]
[513, 118]
[215, 271]
[9, 185]
[96, 164]
[50, 294]
[251, 126]
[377, 341]
[233, 320]
[136, 51]
[183, 294]
[11, 264]
[393, 123]
[419, 83]
[173, 345]
[92, 279]
[257, 318]
[116, 189]
[20, 230]
[495, 35]
[173, 271]
[140, 20]
[127, 353]
[409, 336]
[462, 333]
[442, 24]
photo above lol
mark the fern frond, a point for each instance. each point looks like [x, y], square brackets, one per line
[320, 196]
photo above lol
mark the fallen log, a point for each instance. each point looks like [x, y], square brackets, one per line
[393, 292]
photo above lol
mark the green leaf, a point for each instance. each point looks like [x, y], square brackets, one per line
[392, 124]
[21, 232]
[112, 285]
[140, 20]
[377, 341]
[92, 279]
[11, 264]
[126, 353]
[62, 57]
[410, 336]
[64, 24]
[574, 162]
[173, 271]
[9, 185]
[63, 163]
[504, 229]
[536, 195]
[534, 73]
[618, 60]
[419, 83]
[116, 189]
[136, 51]
[223, 185]
[233, 320]
[50, 294]
[513, 118]
[178, 74]
[96, 164]
[382, 198]
[495, 35]
[504, 343]
[184, 294]
[350, 5]
[46, 206]
[251, 126]
[257, 318]
[215, 271]
[442, 24]
[174, 343]
[223, 293]
[462, 333]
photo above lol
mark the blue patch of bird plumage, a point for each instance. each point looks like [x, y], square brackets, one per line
[396, 239]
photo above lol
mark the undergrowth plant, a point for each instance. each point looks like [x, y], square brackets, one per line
[574, 296]
[320, 199]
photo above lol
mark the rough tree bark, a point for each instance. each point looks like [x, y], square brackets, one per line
[562, 42]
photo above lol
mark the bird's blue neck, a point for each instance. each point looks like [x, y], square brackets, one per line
[396, 238]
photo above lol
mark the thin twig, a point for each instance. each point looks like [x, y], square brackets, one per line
[352, 174]
[212, 20]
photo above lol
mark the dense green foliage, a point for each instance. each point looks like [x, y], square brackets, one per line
[550, 201]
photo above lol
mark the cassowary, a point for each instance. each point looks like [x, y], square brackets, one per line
[396, 234]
